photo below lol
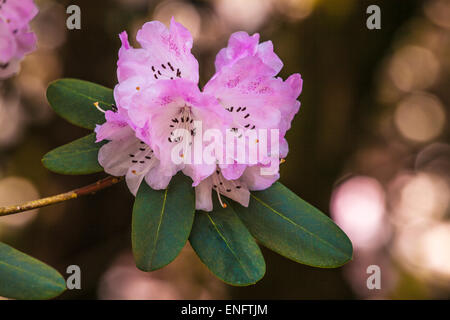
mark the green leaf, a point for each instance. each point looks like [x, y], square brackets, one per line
[74, 100]
[226, 247]
[283, 222]
[77, 157]
[24, 277]
[162, 221]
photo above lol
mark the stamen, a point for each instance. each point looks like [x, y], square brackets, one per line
[224, 205]
[282, 160]
[97, 106]
[137, 173]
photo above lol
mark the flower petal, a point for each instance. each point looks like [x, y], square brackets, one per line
[267, 55]
[165, 54]
[26, 42]
[198, 172]
[241, 45]
[234, 189]
[8, 46]
[18, 13]
[133, 181]
[157, 178]
[127, 155]
[114, 156]
[203, 196]
[115, 127]
[232, 171]
[15, 38]
[256, 181]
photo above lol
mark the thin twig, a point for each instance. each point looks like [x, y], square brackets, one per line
[89, 189]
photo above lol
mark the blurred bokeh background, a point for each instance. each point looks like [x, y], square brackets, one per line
[370, 145]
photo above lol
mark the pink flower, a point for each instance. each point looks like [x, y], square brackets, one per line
[158, 95]
[16, 39]
[168, 107]
[159, 104]
[235, 189]
[245, 80]
[127, 155]
[165, 55]
[245, 85]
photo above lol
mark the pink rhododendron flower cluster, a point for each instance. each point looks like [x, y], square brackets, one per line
[158, 97]
[16, 38]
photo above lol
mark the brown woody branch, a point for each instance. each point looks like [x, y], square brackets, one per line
[89, 189]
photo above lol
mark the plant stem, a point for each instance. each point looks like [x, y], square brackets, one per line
[89, 189]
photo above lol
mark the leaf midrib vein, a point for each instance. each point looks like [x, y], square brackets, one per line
[297, 225]
[82, 95]
[161, 215]
[228, 246]
[69, 153]
[30, 273]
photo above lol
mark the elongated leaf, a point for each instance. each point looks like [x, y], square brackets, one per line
[226, 247]
[74, 100]
[162, 221]
[24, 277]
[283, 222]
[78, 157]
